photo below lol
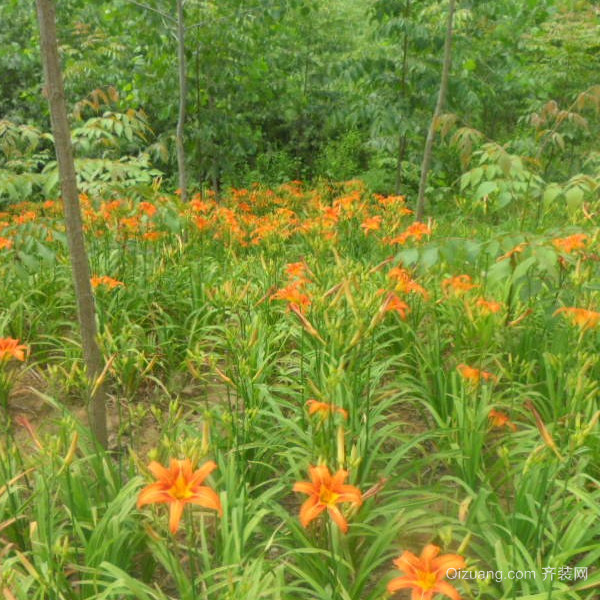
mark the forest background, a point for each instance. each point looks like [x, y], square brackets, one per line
[298, 89]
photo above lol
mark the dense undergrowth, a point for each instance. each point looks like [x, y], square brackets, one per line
[450, 368]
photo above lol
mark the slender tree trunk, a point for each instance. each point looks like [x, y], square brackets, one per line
[182, 100]
[400, 159]
[420, 211]
[402, 136]
[68, 184]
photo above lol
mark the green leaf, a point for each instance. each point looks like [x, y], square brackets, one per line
[551, 192]
[429, 257]
[485, 189]
[499, 271]
[408, 257]
[523, 267]
[574, 198]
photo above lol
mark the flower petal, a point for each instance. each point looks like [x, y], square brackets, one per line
[447, 561]
[175, 515]
[349, 493]
[305, 487]
[338, 518]
[420, 594]
[443, 587]
[429, 553]
[310, 510]
[155, 492]
[400, 583]
[338, 479]
[320, 475]
[408, 562]
[159, 471]
[207, 498]
[202, 473]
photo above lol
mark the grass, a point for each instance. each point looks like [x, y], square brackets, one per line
[222, 321]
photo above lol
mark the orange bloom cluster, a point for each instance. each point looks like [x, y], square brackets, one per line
[395, 202]
[475, 375]
[109, 282]
[568, 244]
[404, 282]
[392, 303]
[180, 485]
[586, 319]
[130, 224]
[371, 224]
[10, 348]
[147, 208]
[349, 203]
[5, 243]
[424, 574]
[416, 231]
[458, 284]
[153, 236]
[325, 492]
[488, 307]
[26, 217]
[108, 209]
[324, 409]
[297, 271]
[293, 292]
[499, 419]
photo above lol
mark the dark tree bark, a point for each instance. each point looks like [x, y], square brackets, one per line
[182, 100]
[68, 184]
[420, 210]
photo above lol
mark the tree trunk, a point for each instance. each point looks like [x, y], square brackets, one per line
[399, 160]
[68, 184]
[420, 210]
[182, 100]
[402, 137]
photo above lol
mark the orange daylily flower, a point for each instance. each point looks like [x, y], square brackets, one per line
[458, 284]
[297, 272]
[5, 243]
[293, 295]
[147, 208]
[26, 217]
[395, 202]
[499, 419]
[326, 491]
[152, 236]
[424, 574]
[570, 243]
[416, 231]
[405, 283]
[324, 409]
[10, 348]
[475, 375]
[488, 306]
[371, 224]
[180, 485]
[586, 319]
[109, 282]
[130, 224]
[392, 302]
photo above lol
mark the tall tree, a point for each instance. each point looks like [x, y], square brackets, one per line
[181, 64]
[72, 211]
[420, 209]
